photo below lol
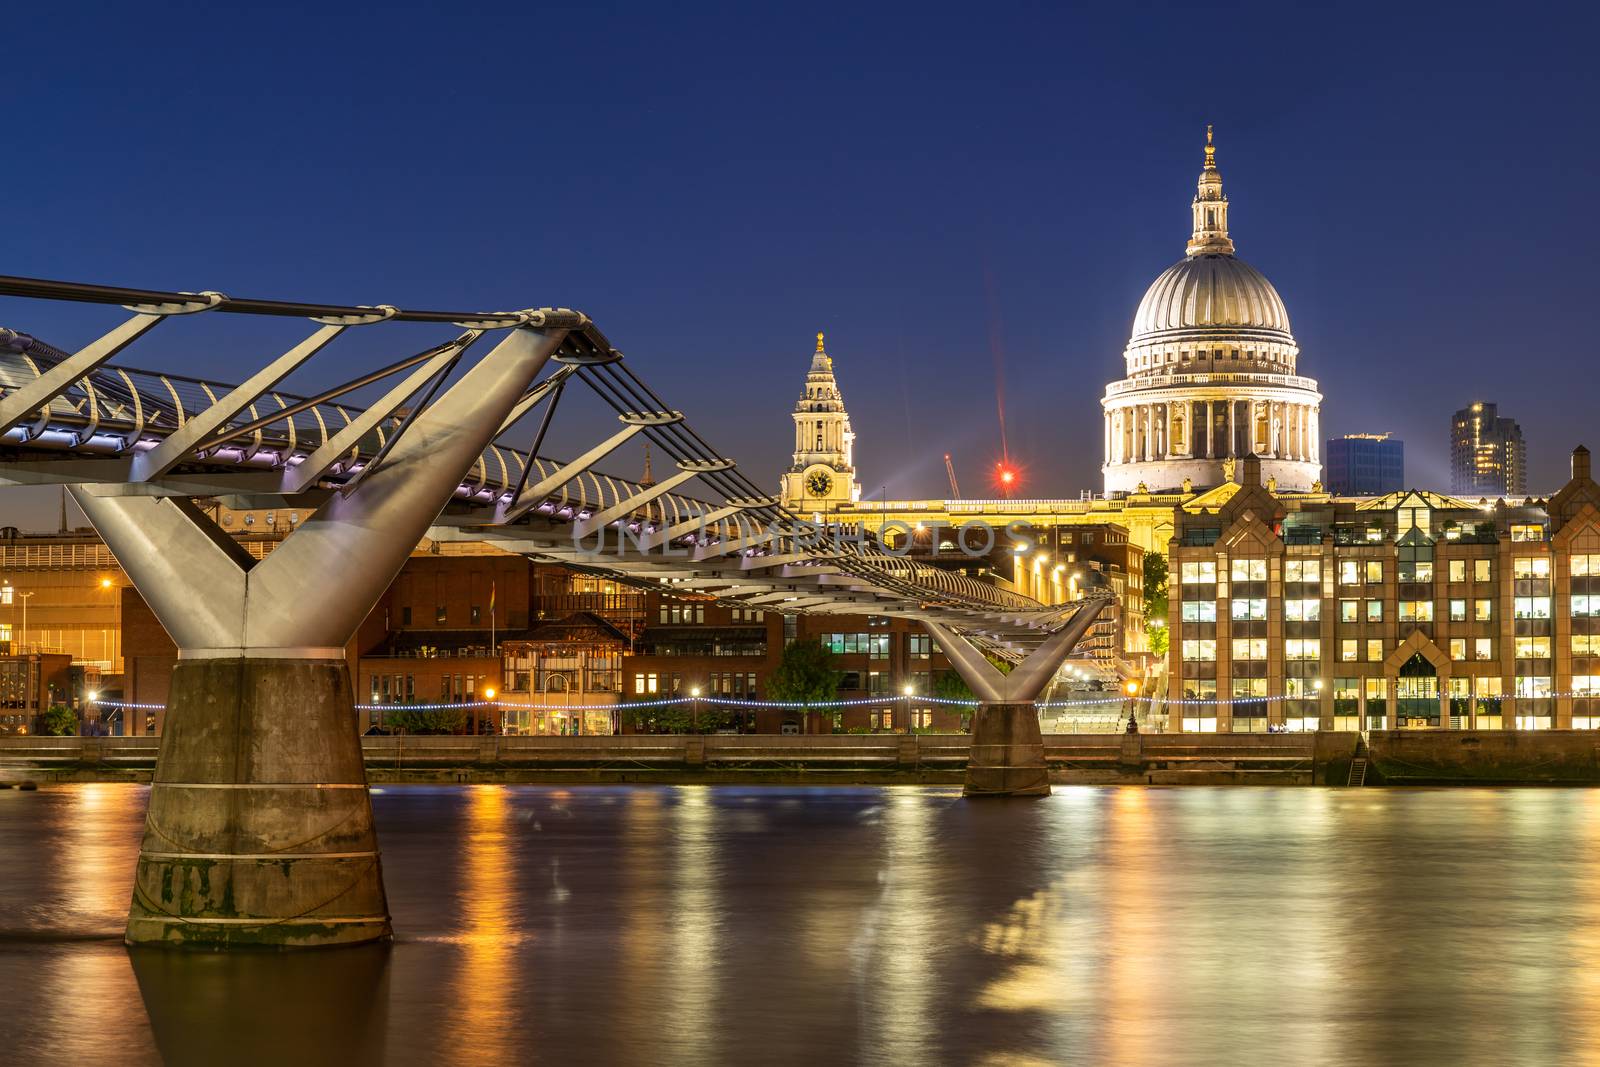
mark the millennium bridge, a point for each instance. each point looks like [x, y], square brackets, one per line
[259, 829]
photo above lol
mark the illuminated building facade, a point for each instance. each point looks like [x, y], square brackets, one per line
[823, 474]
[1211, 372]
[1412, 610]
[1487, 455]
[1366, 464]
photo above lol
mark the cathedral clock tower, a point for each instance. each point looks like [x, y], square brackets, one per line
[823, 473]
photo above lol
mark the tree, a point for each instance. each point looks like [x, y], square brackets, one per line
[427, 721]
[60, 721]
[948, 685]
[1155, 601]
[804, 675]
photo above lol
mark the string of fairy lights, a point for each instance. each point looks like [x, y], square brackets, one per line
[821, 705]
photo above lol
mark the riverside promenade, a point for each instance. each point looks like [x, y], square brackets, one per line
[1394, 757]
[831, 759]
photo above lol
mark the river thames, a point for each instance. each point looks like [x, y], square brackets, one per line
[727, 925]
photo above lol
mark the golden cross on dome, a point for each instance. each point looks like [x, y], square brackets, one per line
[1211, 149]
[819, 340]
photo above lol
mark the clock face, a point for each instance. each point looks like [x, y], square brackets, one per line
[818, 483]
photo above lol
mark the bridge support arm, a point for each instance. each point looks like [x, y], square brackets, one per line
[1006, 755]
[259, 828]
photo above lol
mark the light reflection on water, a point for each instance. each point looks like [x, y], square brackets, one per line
[890, 926]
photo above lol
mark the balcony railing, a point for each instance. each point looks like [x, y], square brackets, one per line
[1162, 381]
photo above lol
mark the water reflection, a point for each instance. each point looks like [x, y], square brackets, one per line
[882, 926]
[483, 1026]
[294, 1008]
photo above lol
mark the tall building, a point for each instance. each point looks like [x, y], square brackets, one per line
[1487, 455]
[823, 474]
[1366, 464]
[1211, 368]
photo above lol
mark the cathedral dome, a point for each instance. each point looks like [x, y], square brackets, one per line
[1207, 292]
[1212, 372]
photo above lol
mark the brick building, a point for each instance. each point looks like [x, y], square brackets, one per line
[1412, 610]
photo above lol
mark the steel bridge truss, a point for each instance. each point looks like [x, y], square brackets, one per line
[128, 439]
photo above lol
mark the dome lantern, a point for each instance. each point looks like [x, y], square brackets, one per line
[1210, 207]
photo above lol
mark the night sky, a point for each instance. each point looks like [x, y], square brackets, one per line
[957, 195]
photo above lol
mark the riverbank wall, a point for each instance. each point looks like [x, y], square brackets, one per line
[1485, 757]
[835, 759]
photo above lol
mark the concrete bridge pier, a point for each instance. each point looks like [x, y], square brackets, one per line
[1007, 752]
[259, 831]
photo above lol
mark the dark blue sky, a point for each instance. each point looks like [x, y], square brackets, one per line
[931, 185]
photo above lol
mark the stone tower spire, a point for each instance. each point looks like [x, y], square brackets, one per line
[823, 469]
[1210, 207]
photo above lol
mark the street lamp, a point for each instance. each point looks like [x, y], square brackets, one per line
[1131, 687]
[694, 708]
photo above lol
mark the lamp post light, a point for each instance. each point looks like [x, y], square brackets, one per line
[488, 698]
[1131, 687]
[694, 709]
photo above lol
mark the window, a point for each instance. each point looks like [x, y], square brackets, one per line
[1586, 644]
[1416, 611]
[1458, 611]
[1250, 649]
[1531, 607]
[1532, 687]
[1302, 570]
[679, 614]
[878, 646]
[1199, 611]
[1374, 650]
[645, 683]
[1245, 608]
[1530, 567]
[1483, 610]
[1347, 610]
[1533, 648]
[1199, 573]
[1458, 570]
[1308, 610]
[1249, 570]
[1349, 650]
[440, 614]
[1527, 533]
[1349, 572]
[474, 614]
[1585, 607]
[1374, 611]
[405, 616]
[1483, 648]
[919, 646]
[1585, 565]
[1374, 572]
[1482, 570]
[1458, 648]
[1245, 688]
[1200, 651]
[1302, 648]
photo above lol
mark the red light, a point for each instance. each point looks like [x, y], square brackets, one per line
[1006, 477]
